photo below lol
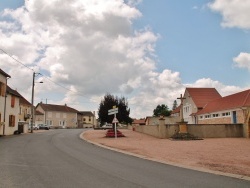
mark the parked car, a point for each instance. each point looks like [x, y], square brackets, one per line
[107, 126]
[43, 126]
[35, 127]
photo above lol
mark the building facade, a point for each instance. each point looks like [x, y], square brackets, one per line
[57, 116]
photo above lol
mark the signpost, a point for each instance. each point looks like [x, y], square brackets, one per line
[114, 111]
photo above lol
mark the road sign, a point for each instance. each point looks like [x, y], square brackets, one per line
[115, 120]
[113, 111]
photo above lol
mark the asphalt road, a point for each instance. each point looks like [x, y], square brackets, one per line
[59, 158]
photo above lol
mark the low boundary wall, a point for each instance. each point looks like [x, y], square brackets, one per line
[216, 130]
[199, 130]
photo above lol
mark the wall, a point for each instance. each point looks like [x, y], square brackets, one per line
[153, 130]
[202, 131]
[168, 120]
[216, 130]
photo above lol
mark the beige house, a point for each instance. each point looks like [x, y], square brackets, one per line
[207, 106]
[57, 115]
[86, 119]
[39, 117]
[24, 114]
[194, 100]
[9, 106]
[229, 109]
[4, 105]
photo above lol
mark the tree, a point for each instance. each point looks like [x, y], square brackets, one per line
[107, 103]
[174, 105]
[161, 110]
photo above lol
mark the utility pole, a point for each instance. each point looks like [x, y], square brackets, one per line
[32, 103]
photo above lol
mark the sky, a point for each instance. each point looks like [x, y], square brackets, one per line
[146, 51]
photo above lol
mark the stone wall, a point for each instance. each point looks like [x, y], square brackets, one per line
[216, 130]
[202, 131]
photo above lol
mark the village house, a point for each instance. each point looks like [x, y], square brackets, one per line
[206, 106]
[24, 114]
[86, 119]
[57, 116]
[233, 108]
[3, 99]
[195, 99]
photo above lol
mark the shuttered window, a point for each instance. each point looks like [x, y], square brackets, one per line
[11, 121]
[12, 101]
[2, 89]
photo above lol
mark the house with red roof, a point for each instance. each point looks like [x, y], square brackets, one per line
[207, 106]
[57, 115]
[195, 99]
[233, 108]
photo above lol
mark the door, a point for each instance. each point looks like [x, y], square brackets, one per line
[234, 117]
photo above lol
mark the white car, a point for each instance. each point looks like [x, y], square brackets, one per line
[107, 126]
[35, 127]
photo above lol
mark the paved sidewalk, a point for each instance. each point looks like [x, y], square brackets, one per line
[227, 155]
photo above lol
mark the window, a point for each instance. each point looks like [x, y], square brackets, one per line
[12, 101]
[2, 89]
[207, 116]
[49, 122]
[215, 115]
[11, 121]
[226, 114]
[0, 118]
[89, 118]
[200, 117]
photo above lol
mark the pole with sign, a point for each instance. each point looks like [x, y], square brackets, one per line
[114, 111]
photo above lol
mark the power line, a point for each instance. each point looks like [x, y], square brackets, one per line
[16, 60]
[77, 93]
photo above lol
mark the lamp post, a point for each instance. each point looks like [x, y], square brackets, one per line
[32, 101]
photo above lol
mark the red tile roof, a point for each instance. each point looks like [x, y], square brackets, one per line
[38, 113]
[86, 113]
[139, 121]
[237, 100]
[201, 96]
[177, 110]
[59, 108]
[13, 92]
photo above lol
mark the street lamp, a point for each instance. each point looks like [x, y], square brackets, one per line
[32, 101]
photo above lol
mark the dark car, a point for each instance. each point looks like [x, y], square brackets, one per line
[43, 126]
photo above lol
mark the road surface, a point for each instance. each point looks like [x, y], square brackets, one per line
[60, 158]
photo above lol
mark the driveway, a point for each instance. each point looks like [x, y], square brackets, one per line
[227, 155]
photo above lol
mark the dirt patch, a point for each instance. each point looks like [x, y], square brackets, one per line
[229, 155]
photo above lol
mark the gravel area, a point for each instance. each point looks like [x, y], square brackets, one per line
[228, 155]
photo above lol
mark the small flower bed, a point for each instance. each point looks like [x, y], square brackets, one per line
[111, 133]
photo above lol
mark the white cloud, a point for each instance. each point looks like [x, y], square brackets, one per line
[235, 13]
[243, 60]
[90, 47]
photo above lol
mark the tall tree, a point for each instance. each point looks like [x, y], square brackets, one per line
[174, 105]
[107, 103]
[161, 110]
